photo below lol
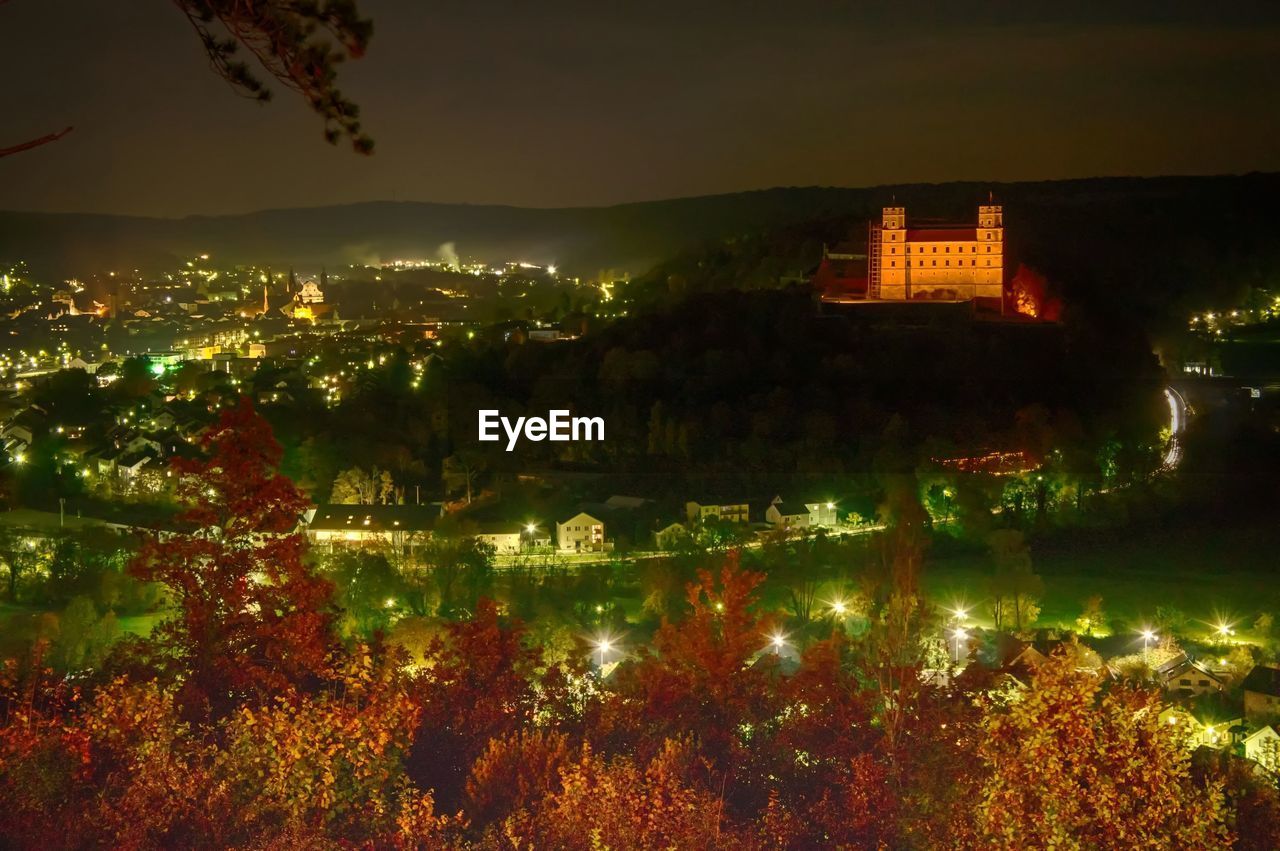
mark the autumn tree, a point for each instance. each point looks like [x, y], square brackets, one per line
[252, 618]
[832, 785]
[355, 486]
[1092, 618]
[479, 681]
[1077, 764]
[625, 803]
[708, 676]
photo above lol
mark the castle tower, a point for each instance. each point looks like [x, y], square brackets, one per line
[989, 278]
[895, 280]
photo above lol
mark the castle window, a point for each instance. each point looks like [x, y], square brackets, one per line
[893, 262]
[935, 262]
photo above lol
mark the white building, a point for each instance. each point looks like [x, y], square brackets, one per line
[700, 511]
[787, 515]
[579, 534]
[1263, 747]
[822, 514]
[310, 293]
[504, 538]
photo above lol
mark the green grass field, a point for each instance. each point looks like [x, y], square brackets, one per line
[1211, 574]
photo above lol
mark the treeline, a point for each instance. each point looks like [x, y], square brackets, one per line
[742, 390]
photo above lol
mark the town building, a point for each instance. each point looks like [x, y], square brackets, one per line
[581, 533]
[730, 510]
[1262, 693]
[509, 538]
[399, 526]
[787, 515]
[1263, 747]
[1186, 678]
[823, 514]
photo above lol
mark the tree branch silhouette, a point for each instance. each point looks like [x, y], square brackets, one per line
[33, 143]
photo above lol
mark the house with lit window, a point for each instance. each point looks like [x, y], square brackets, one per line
[508, 538]
[1263, 747]
[823, 514]
[787, 515]
[581, 533]
[732, 510]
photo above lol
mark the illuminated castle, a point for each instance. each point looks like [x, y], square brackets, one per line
[926, 262]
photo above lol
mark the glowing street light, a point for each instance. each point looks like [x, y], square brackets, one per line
[839, 608]
[959, 635]
[1147, 637]
[778, 641]
[960, 613]
[603, 644]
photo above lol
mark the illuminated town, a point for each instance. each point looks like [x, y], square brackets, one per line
[936, 514]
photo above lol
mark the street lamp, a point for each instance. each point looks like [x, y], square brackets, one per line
[604, 645]
[959, 635]
[839, 608]
[778, 641]
[1147, 637]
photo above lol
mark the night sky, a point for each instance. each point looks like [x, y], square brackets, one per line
[566, 103]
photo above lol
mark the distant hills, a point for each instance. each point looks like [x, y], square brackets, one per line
[1056, 218]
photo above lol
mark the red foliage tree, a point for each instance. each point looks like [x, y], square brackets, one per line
[1030, 294]
[832, 786]
[252, 620]
[706, 677]
[480, 681]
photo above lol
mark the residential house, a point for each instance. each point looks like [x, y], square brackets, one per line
[732, 510]
[787, 515]
[1201, 732]
[823, 514]
[1187, 678]
[1262, 693]
[579, 534]
[1263, 747]
[503, 537]
[672, 537]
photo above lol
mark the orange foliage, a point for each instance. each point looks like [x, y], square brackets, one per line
[1076, 765]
